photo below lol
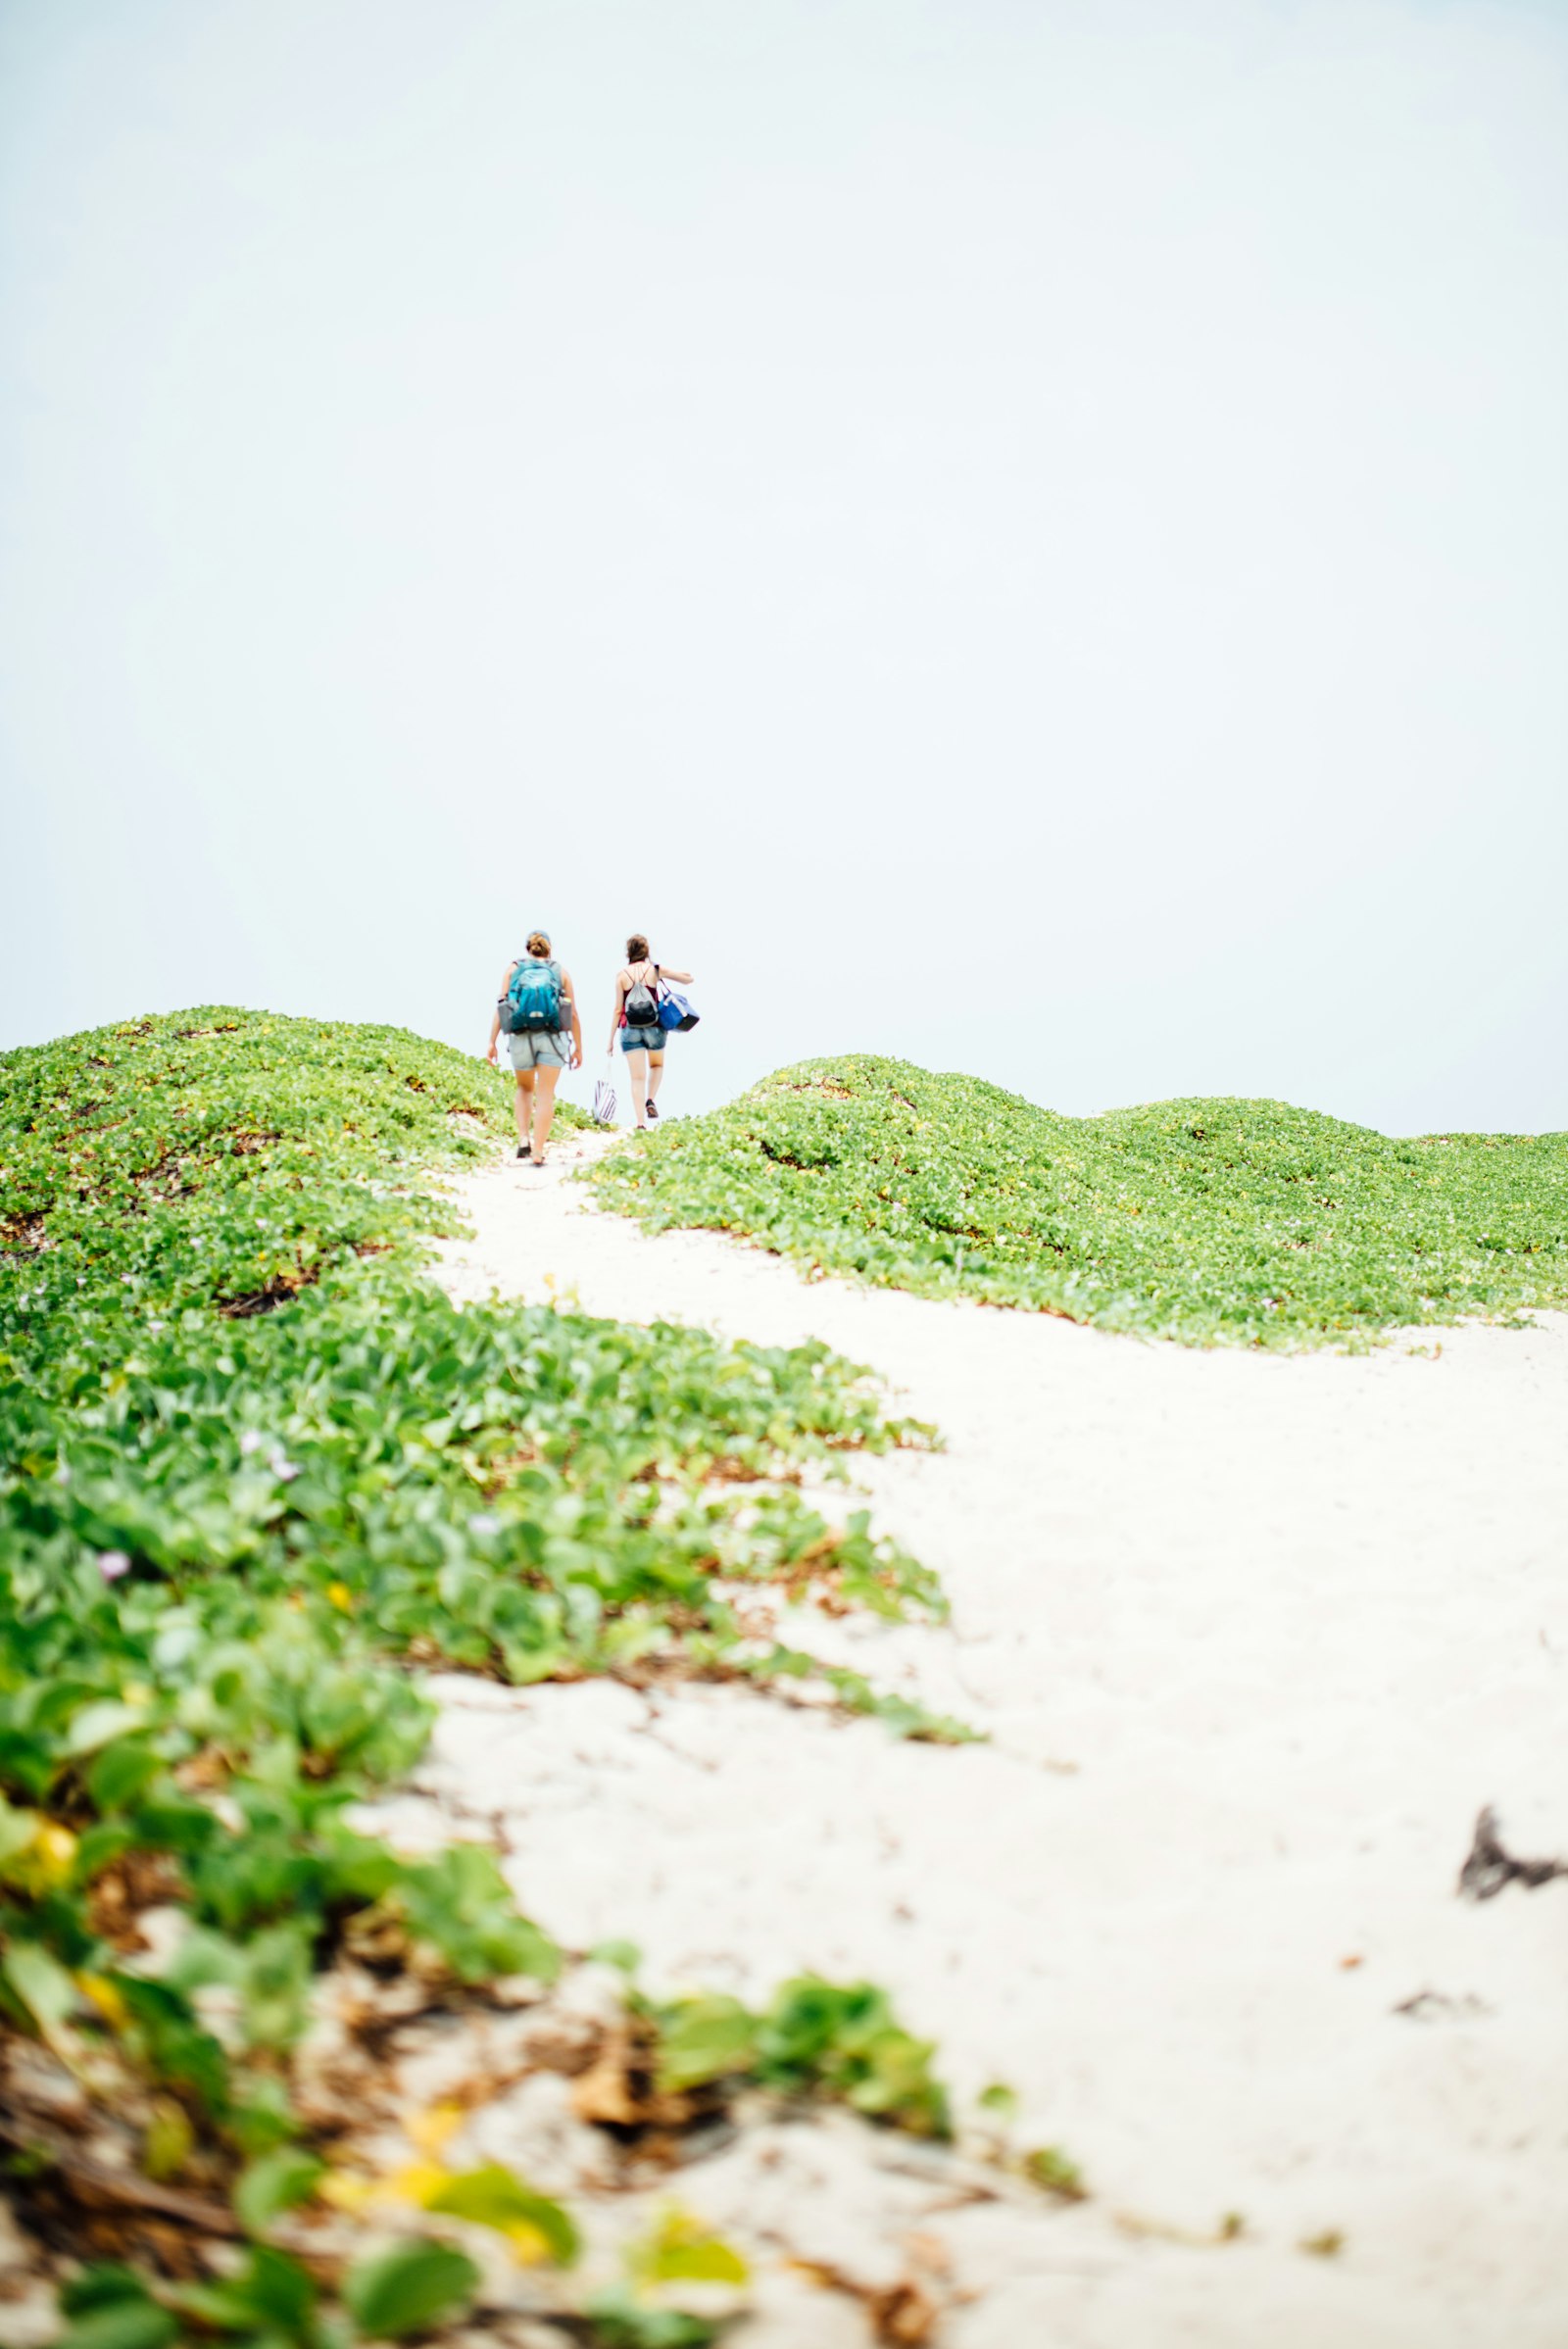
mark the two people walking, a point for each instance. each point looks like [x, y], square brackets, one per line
[544, 1033]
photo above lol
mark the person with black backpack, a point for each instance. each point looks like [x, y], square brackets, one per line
[538, 1010]
[637, 1024]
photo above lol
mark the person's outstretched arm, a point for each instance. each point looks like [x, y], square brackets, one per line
[615, 1019]
[495, 1017]
[682, 978]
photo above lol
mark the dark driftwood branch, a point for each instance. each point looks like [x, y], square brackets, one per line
[119, 2187]
[1488, 1867]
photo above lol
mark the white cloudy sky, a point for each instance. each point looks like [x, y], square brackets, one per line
[1029, 534]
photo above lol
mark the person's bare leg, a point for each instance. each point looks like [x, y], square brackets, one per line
[656, 1070]
[522, 1104]
[544, 1109]
[637, 1081]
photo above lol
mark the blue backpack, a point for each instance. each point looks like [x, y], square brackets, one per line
[534, 999]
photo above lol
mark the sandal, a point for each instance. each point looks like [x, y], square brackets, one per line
[648, 1106]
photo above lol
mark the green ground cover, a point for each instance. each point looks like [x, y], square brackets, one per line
[252, 1466]
[1215, 1222]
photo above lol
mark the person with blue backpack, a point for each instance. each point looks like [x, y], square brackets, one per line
[647, 1009]
[537, 1009]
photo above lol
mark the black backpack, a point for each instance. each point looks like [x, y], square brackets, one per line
[642, 1004]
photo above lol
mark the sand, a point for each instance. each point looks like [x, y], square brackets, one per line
[1253, 1638]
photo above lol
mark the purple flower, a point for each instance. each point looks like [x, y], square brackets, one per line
[112, 1564]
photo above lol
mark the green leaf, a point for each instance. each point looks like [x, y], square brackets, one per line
[43, 1984]
[174, 2041]
[704, 2040]
[16, 1830]
[121, 1772]
[273, 2183]
[101, 2285]
[494, 2197]
[406, 2288]
[276, 1987]
[124, 2324]
[623, 1955]
[277, 2288]
[681, 2248]
[272, 2293]
[260, 2116]
[169, 1821]
[99, 1725]
[622, 2322]
[843, 2040]
[461, 1903]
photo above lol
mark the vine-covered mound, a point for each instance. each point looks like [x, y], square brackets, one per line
[1210, 1221]
[252, 1464]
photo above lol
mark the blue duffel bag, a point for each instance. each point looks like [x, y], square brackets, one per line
[674, 1011]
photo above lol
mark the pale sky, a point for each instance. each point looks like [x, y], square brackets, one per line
[1033, 537]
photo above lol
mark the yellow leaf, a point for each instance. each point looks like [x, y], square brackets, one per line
[434, 2128]
[528, 2243]
[105, 1997]
[38, 1854]
[346, 2192]
[415, 2182]
[56, 1848]
[170, 2140]
[342, 1598]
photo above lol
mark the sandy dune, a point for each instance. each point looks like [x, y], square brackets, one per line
[1253, 1638]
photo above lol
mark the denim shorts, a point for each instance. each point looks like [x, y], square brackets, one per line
[642, 1040]
[539, 1048]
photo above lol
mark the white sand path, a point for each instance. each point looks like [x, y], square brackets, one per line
[1291, 1621]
